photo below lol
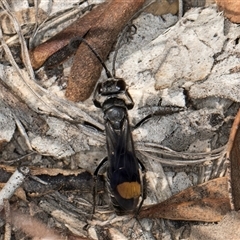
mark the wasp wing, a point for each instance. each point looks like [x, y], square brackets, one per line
[123, 170]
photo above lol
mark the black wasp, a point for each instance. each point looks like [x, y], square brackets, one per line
[125, 172]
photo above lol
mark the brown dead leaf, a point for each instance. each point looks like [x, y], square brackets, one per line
[231, 9]
[234, 150]
[42, 52]
[207, 202]
[103, 34]
[100, 27]
[161, 7]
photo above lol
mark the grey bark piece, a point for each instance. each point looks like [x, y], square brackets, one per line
[182, 130]
[192, 43]
[62, 139]
[7, 125]
[195, 54]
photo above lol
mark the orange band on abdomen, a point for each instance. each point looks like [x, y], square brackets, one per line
[129, 190]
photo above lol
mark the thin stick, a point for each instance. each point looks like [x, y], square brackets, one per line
[12, 184]
[7, 234]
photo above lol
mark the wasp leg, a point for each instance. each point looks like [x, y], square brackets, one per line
[142, 166]
[144, 187]
[148, 112]
[100, 165]
[95, 175]
[144, 192]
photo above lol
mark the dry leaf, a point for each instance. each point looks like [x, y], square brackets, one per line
[86, 67]
[42, 52]
[161, 7]
[100, 27]
[231, 9]
[234, 149]
[207, 202]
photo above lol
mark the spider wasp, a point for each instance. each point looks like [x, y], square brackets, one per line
[125, 172]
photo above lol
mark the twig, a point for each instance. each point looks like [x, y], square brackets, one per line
[7, 234]
[44, 180]
[13, 183]
[180, 9]
[23, 133]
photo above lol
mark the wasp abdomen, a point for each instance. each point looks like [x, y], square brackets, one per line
[129, 190]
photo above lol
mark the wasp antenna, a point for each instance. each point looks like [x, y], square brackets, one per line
[118, 47]
[122, 34]
[75, 42]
